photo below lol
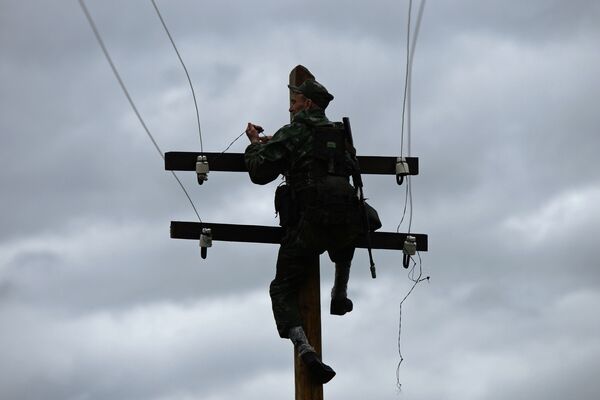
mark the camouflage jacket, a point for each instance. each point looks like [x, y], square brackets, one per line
[289, 152]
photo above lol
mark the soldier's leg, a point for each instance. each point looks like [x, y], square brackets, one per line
[293, 261]
[340, 303]
[321, 372]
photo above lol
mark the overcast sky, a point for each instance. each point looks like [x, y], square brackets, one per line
[97, 302]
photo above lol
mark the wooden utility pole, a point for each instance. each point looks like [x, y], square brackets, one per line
[309, 296]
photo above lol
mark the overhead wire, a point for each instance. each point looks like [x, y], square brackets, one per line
[407, 105]
[406, 76]
[129, 98]
[162, 20]
[184, 68]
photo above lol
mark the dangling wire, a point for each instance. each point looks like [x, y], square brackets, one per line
[124, 88]
[234, 140]
[416, 280]
[184, 68]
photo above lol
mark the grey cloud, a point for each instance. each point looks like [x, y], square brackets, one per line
[503, 120]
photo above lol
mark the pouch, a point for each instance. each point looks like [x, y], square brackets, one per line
[285, 206]
[372, 217]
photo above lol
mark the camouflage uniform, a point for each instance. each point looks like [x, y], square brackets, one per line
[326, 217]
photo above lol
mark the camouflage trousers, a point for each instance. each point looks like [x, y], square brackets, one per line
[300, 248]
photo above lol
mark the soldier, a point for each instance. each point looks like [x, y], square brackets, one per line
[317, 206]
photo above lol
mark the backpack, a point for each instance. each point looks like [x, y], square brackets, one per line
[330, 199]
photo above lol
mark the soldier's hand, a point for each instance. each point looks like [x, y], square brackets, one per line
[252, 132]
[265, 139]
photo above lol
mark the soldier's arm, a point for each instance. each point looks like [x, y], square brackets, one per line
[265, 161]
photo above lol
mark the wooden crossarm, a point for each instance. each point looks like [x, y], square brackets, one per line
[234, 162]
[273, 234]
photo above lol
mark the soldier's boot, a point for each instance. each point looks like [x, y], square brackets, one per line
[320, 372]
[340, 303]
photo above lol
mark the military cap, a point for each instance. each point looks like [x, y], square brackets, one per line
[313, 90]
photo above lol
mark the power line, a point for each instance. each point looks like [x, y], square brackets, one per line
[412, 56]
[129, 99]
[184, 68]
[407, 104]
[406, 76]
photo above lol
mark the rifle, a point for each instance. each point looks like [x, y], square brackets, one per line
[357, 179]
